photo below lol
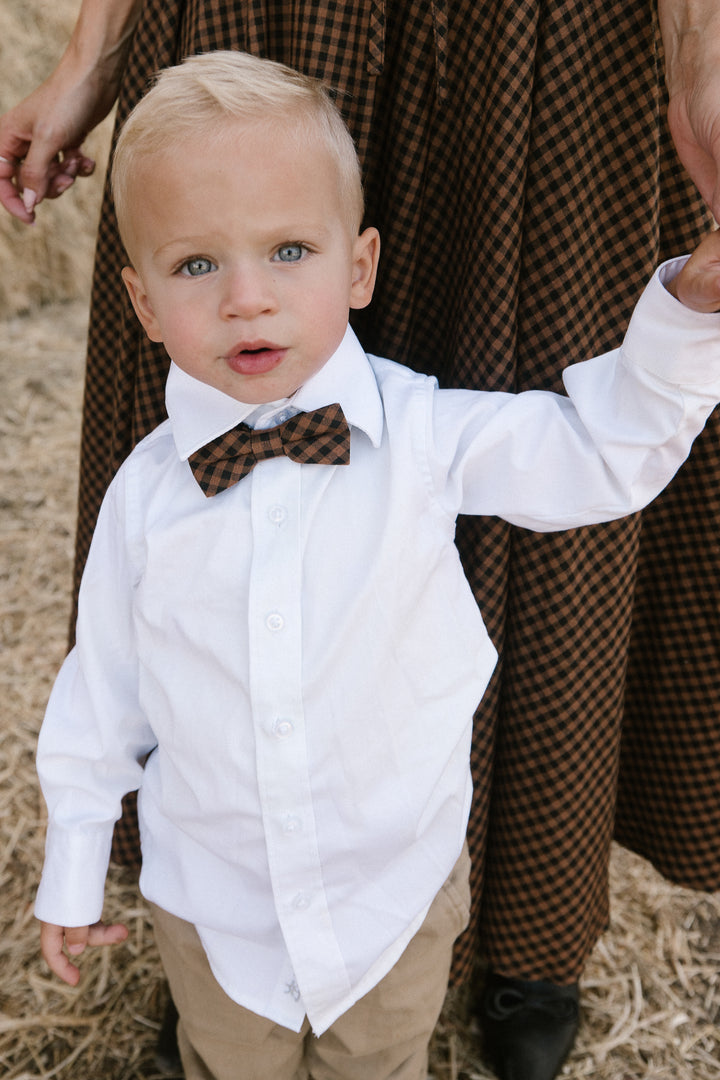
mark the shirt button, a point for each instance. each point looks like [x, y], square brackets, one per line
[301, 901]
[274, 621]
[277, 514]
[292, 824]
[283, 728]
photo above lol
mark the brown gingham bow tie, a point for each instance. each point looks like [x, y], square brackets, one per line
[321, 437]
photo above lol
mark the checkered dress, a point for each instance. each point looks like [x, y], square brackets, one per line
[518, 169]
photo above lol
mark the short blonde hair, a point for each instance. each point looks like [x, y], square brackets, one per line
[202, 93]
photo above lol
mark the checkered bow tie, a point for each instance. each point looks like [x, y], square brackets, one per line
[321, 437]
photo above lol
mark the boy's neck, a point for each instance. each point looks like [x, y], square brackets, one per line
[266, 409]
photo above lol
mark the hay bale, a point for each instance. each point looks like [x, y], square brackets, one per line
[51, 260]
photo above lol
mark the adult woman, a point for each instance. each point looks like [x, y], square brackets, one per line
[517, 137]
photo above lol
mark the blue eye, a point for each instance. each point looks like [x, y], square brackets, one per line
[290, 253]
[197, 267]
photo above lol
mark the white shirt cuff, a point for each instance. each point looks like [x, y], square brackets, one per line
[670, 340]
[73, 880]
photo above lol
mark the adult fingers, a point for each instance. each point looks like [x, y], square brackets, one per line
[10, 196]
[698, 283]
[40, 163]
[61, 174]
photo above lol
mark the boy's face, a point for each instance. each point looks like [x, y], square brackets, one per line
[244, 261]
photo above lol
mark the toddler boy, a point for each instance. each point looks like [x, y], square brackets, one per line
[276, 642]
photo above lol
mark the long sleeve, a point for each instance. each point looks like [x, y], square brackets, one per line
[545, 461]
[94, 738]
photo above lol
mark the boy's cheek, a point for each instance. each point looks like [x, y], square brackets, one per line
[140, 301]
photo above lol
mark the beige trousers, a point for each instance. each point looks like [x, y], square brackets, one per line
[385, 1034]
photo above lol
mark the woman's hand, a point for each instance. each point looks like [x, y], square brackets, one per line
[41, 138]
[691, 38]
[694, 119]
[40, 148]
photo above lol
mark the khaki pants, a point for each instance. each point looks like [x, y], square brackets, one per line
[385, 1034]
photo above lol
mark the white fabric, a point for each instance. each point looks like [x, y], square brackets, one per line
[301, 655]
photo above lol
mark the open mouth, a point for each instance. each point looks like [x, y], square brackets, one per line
[256, 359]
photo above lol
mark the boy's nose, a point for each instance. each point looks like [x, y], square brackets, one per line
[248, 292]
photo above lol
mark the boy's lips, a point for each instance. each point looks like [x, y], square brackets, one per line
[255, 357]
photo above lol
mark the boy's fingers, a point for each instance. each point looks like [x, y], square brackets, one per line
[54, 940]
[51, 943]
[76, 938]
[100, 934]
[61, 966]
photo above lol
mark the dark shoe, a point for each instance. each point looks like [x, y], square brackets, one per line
[529, 1027]
[167, 1055]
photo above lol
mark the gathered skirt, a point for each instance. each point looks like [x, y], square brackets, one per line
[517, 164]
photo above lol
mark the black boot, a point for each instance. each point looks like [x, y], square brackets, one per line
[167, 1055]
[529, 1027]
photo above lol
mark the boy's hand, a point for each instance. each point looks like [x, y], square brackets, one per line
[52, 939]
[697, 286]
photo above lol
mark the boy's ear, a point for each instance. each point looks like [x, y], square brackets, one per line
[141, 303]
[366, 253]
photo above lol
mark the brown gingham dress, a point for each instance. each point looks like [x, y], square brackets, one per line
[517, 166]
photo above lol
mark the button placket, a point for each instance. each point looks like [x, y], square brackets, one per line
[277, 514]
[283, 767]
[275, 622]
[292, 824]
[282, 727]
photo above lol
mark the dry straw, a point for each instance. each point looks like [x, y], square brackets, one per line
[651, 995]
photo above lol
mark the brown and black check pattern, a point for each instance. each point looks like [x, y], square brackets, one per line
[517, 164]
[321, 437]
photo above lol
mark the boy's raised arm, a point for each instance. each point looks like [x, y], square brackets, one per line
[617, 437]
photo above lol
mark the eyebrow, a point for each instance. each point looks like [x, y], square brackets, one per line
[292, 232]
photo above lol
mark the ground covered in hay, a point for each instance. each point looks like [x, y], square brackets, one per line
[651, 995]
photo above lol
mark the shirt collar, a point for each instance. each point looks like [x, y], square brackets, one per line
[199, 413]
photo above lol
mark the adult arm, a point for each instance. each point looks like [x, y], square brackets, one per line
[691, 38]
[41, 137]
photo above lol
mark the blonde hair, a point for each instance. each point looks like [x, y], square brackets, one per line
[202, 93]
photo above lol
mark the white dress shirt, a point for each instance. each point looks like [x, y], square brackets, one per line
[301, 656]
